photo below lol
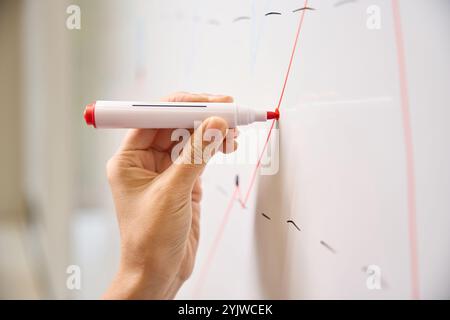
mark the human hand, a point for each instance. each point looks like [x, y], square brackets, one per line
[158, 205]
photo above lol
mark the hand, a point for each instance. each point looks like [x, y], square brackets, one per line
[158, 206]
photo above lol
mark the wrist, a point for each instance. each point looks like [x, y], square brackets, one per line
[136, 285]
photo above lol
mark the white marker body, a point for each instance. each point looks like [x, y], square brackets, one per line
[133, 114]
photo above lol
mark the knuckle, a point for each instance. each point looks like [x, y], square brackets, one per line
[217, 123]
[112, 169]
[181, 96]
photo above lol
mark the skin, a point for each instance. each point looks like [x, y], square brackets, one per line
[158, 205]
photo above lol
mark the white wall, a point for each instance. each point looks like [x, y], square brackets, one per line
[48, 148]
[342, 163]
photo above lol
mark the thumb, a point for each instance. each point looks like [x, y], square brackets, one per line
[201, 146]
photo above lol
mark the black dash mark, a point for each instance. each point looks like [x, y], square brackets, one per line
[384, 284]
[327, 246]
[294, 224]
[273, 13]
[340, 3]
[266, 216]
[304, 8]
[236, 181]
[241, 18]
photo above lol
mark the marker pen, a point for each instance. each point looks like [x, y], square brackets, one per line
[132, 114]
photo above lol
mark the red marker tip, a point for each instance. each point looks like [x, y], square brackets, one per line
[273, 115]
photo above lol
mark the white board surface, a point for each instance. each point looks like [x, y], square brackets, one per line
[343, 158]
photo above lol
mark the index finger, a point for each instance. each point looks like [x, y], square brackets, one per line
[139, 139]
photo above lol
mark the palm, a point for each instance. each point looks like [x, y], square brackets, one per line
[155, 161]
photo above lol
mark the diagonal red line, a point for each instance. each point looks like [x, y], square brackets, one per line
[212, 251]
[407, 132]
[288, 72]
[236, 193]
[258, 164]
[286, 79]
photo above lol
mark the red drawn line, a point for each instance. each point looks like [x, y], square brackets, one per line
[215, 245]
[239, 197]
[407, 132]
[258, 164]
[237, 193]
[288, 72]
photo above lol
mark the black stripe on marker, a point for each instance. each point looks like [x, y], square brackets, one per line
[169, 105]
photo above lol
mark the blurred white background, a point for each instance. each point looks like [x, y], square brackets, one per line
[55, 205]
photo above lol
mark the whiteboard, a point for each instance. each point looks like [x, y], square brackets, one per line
[364, 152]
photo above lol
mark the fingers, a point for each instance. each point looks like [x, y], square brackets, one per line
[206, 140]
[195, 97]
[163, 141]
[139, 139]
[229, 144]
[182, 96]
[219, 98]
